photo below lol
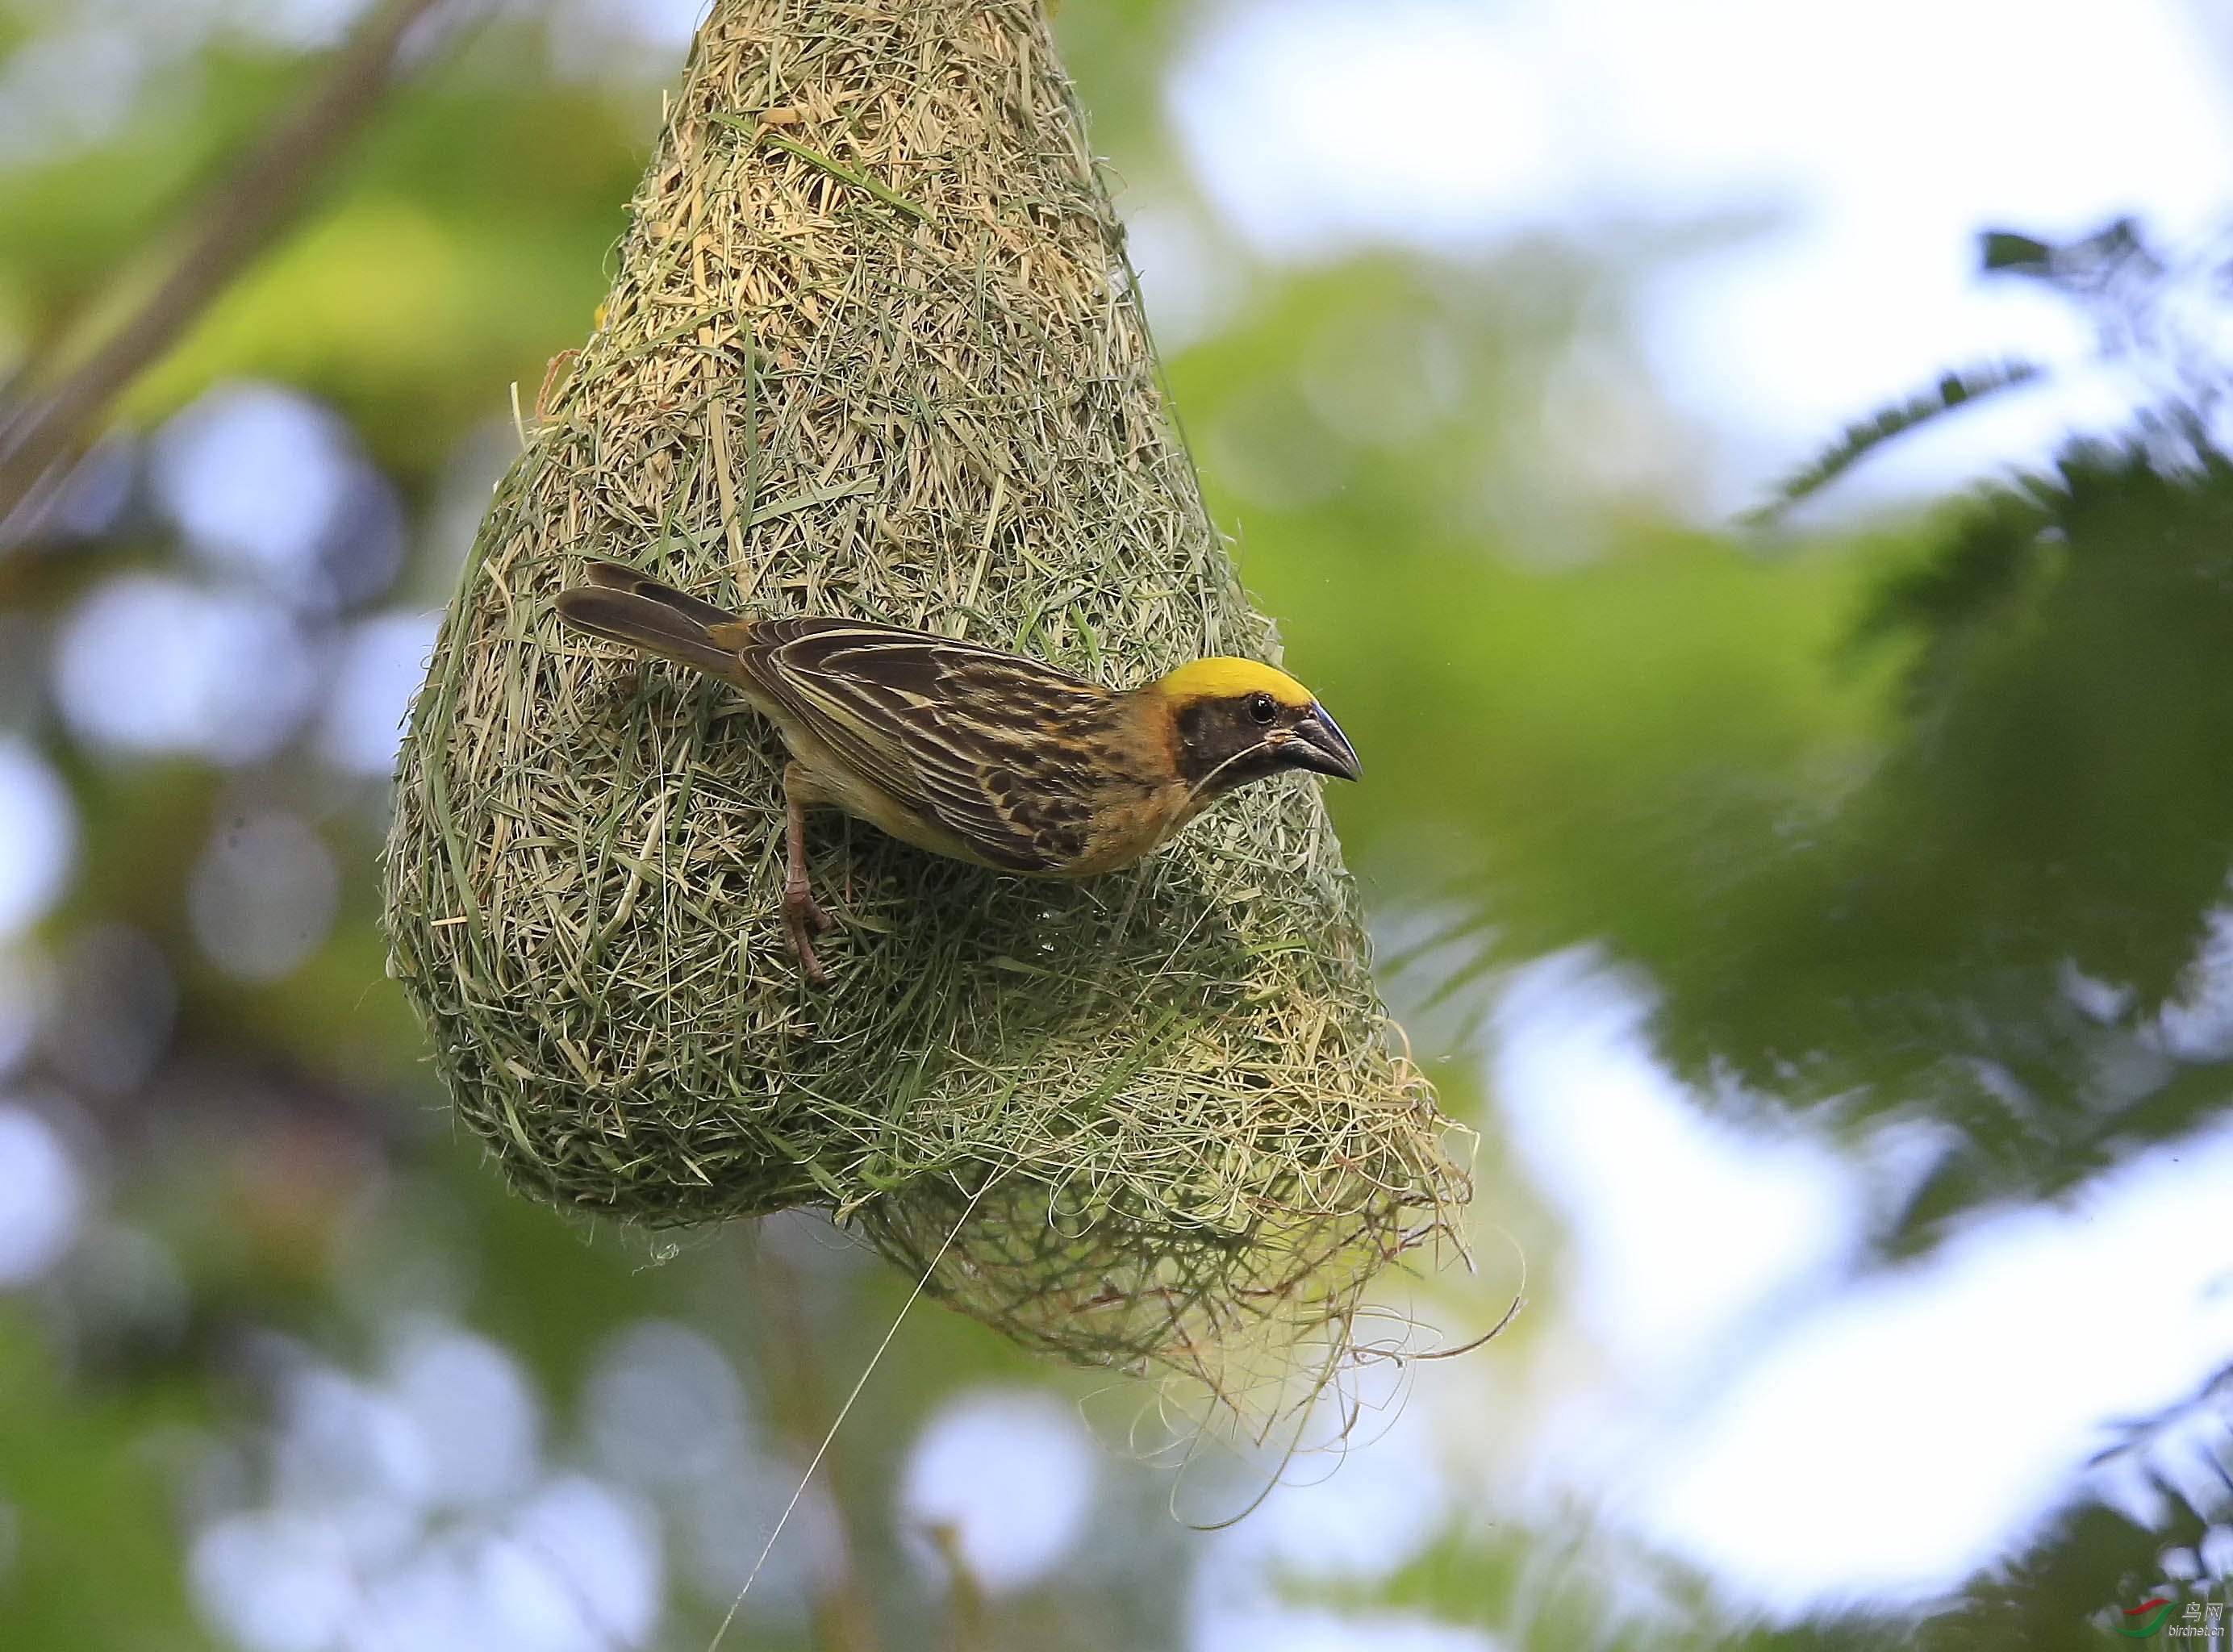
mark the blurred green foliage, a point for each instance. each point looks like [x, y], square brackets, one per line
[93, 1559]
[1926, 823]
[2059, 801]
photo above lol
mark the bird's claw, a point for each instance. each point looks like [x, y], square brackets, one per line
[803, 918]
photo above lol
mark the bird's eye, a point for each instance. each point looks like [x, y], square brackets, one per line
[1263, 708]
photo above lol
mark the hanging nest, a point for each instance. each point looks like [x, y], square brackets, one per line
[873, 350]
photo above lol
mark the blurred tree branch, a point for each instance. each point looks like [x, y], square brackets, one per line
[237, 222]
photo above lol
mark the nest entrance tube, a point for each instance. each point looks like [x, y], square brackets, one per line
[873, 350]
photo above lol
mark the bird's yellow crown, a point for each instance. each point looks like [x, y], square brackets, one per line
[1223, 679]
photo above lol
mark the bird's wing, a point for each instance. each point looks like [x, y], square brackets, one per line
[964, 733]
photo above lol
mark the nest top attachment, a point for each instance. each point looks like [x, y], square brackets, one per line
[874, 351]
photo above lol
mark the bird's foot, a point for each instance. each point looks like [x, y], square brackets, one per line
[803, 918]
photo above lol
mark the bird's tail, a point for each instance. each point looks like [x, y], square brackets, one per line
[621, 605]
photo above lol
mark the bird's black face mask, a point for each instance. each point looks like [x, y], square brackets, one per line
[1231, 740]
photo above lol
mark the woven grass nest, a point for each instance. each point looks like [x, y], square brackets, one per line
[873, 350]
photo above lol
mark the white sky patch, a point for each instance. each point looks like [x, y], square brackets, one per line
[417, 1513]
[1755, 1416]
[1878, 141]
[1296, 1629]
[667, 1415]
[663, 1405]
[382, 661]
[41, 1196]
[665, 23]
[1338, 1515]
[150, 664]
[66, 92]
[1320, 123]
[610, 40]
[1187, 283]
[1682, 1226]
[471, 1404]
[306, 25]
[38, 836]
[276, 1582]
[1987, 1372]
[580, 1568]
[256, 475]
[1011, 1472]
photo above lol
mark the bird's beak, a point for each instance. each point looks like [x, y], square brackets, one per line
[1317, 743]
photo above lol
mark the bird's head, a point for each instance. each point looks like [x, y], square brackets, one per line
[1238, 720]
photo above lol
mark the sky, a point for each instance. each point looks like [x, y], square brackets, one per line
[1746, 1400]
[1852, 153]
[1757, 1403]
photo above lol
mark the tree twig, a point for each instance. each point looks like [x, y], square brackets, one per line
[240, 220]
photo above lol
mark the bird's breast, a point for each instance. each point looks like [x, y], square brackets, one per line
[1122, 833]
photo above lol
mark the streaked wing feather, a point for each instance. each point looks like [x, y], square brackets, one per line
[851, 715]
[946, 726]
[993, 775]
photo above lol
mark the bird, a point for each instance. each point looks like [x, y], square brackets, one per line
[966, 751]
